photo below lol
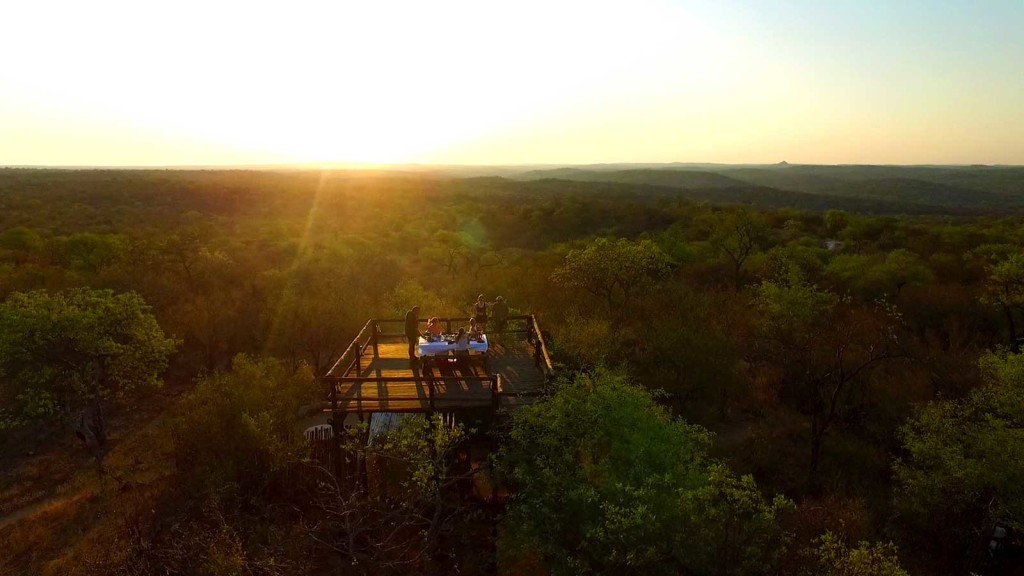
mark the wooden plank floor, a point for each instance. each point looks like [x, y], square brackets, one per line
[457, 385]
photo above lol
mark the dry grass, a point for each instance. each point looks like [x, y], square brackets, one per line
[31, 543]
[55, 510]
[30, 478]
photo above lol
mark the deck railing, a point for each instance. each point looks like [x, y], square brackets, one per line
[354, 388]
[541, 357]
[374, 331]
[519, 324]
[353, 355]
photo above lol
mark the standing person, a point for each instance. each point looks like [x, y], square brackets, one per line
[412, 330]
[499, 310]
[480, 312]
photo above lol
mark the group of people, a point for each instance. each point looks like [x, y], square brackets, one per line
[475, 331]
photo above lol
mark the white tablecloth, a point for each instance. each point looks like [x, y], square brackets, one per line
[434, 348]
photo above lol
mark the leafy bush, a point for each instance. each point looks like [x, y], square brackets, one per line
[238, 429]
[68, 356]
[834, 558]
[608, 482]
[964, 464]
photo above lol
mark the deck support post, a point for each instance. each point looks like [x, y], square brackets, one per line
[364, 439]
[376, 339]
[430, 392]
[335, 430]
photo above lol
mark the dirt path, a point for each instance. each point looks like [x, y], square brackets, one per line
[35, 508]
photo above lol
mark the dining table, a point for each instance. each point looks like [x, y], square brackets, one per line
[446, 344]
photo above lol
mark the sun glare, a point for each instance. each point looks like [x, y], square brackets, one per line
[352, 81]
[452, 81]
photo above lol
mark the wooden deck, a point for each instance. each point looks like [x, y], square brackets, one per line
[375, 374]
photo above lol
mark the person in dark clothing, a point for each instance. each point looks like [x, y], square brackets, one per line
[480, 312]
[412, 330]
[499, 313]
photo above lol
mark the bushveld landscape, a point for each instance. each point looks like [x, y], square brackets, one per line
[771, 369]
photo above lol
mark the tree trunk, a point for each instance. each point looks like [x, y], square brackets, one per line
[99, 424]
[817, 436]
[1014, 346]
[88, 426]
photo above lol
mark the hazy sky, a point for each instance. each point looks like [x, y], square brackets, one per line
[104, 82]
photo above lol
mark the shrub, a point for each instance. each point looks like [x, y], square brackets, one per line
[607, 482]
[237, 430]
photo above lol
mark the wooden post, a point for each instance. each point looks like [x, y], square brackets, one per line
[376, 339]
[494, 393]
[335, 436]
[430, 392]
[364, 439]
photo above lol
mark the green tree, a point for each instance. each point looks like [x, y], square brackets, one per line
[688, 347]
[19, 243]
[836, 221]
[963, 471]
[237, 429]
[482, 257]
[1004, 288]
[833, 557]
[607, 482]
[616, 271]
[411, 518]
[875, 275]
[737, 235]
[89, 252]
[67, 356]
[903, 268]
[311, 317]
[449, 249]
[824, 348]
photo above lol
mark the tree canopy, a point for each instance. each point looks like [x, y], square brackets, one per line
[65, 355]
[614, 270]
[965, 461]
[608, 482]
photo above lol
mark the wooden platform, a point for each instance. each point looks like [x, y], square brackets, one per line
[386, 381]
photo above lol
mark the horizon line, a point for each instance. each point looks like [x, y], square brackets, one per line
[430, 166]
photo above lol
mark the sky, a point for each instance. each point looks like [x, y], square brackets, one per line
[208, 82]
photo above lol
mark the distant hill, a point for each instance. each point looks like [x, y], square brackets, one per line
[998, 179]
[909, 190]
[785, 179]
[664, 177]
[744, 194]
[889, 189]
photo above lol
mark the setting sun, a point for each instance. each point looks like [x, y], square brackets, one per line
[470, 82]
